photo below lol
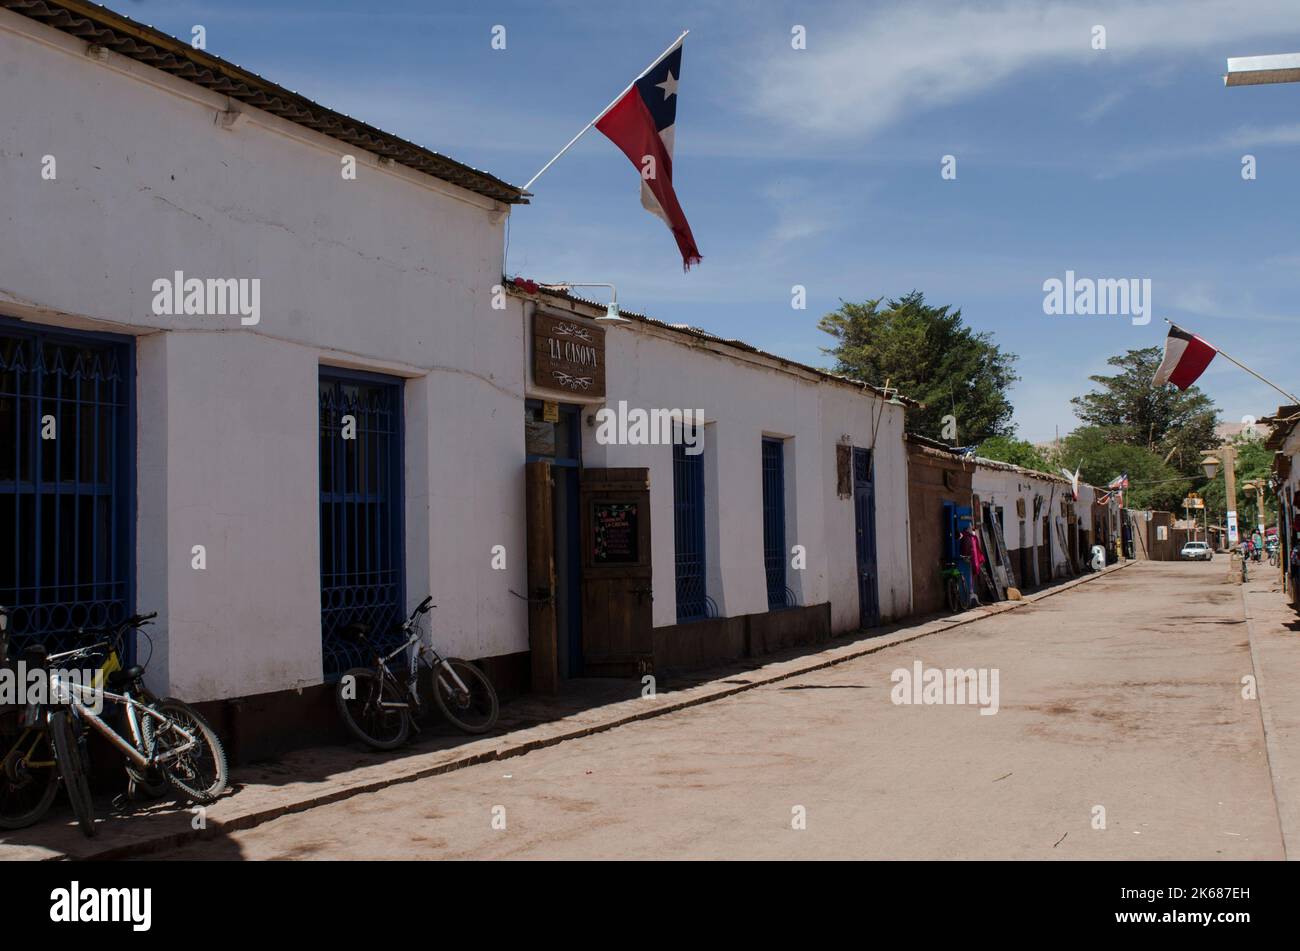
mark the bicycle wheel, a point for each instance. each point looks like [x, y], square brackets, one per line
[953, 592]
[473, 709]
[200, 773]
[72, 767]
[358, 697]
[29, 780]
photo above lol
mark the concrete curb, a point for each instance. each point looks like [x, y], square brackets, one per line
[1273, 755]
[507, 748]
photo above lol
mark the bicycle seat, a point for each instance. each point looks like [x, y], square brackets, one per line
[119, 677]
[355, 631]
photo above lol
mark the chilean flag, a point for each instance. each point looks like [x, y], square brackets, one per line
[1186, 357]
[641, 124]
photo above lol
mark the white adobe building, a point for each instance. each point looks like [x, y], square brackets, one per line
[1028, 506]
[754, 405]
[202, 464]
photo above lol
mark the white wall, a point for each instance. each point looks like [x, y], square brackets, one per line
[867, 422]
[1002, 488]
[391, 273]
[743, 400]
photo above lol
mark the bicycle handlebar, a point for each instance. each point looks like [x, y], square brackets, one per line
[423, 606]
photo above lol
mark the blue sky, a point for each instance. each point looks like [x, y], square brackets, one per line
[821, 166]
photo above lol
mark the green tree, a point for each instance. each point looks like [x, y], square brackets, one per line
[1018, 452]
[1101, 455]
[929, 354]
[1254, 461]
[1176, 424]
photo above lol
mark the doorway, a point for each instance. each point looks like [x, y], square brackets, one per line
[362, 564]
[864, 518]
[67, 493]
[617, 596]
[552, 435]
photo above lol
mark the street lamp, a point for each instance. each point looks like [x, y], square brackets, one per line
[1257, 486]
[612, 315]
[1257, 70]
[1210, 464]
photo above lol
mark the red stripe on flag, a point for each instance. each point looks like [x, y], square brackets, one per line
[630, 126]
[1192, 363]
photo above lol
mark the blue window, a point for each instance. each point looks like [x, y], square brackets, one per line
[693, 601]
[778, 595]
[67, 452]
[362, 568]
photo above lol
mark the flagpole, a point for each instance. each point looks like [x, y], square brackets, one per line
[612, 104]
[1291, 396]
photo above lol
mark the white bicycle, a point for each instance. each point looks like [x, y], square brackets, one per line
[379, 708]
[166, 739]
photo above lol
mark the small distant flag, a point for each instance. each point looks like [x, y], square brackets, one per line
[1119, 482]
[1074, 482]
[1186, 357]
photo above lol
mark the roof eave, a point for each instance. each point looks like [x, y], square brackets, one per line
[103, 27]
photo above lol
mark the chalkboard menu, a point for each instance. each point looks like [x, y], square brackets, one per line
[615, 540]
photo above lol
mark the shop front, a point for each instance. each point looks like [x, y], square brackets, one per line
[642, 441]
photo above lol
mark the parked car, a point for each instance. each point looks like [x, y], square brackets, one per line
[1196, 551]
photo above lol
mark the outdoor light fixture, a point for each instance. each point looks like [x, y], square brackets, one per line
[612, 315]
[1256, 70]
[1210, 465]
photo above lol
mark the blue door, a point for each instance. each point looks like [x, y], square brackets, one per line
[956, 519]
[362, 566]
[693, 601]
[864, 518]
[778, 594]
[67, 465]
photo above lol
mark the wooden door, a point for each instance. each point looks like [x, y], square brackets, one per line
[541, 577]
[617, 623]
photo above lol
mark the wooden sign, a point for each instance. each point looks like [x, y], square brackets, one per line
[568, 354]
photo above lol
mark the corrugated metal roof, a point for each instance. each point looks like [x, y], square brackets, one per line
[995, 464]
[1281, 424]
[100, 26]
[533, 288]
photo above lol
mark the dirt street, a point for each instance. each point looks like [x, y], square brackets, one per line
[1122, 695]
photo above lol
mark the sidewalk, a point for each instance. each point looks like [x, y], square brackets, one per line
[314, 777]
[1274, 630]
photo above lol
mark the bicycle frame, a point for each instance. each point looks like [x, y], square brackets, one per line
[70, 693]
[33, 734]
[421, 652]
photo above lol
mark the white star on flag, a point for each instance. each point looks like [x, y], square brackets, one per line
[669, 85]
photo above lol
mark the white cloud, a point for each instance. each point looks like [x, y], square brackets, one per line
[1104, 105]
[858, 77]
[802, 212]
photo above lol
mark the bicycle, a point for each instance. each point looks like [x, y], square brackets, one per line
[956, 591]
[166, 738]
[110, 671]
[29, 775]
[379, 709]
